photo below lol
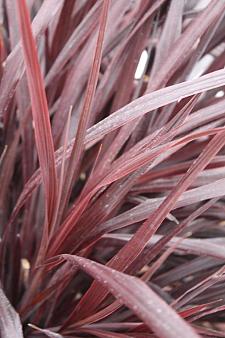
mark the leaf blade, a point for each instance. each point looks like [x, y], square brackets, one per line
[144, 302]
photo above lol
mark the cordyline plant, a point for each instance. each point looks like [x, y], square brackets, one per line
[112, 168]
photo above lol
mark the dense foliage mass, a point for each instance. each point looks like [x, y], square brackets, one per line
[112, 168]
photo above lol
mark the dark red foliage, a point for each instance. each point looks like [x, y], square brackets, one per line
[112, 168]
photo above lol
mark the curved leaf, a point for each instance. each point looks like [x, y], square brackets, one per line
[135, 294]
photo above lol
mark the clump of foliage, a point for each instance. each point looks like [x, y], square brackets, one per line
[112, 182]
